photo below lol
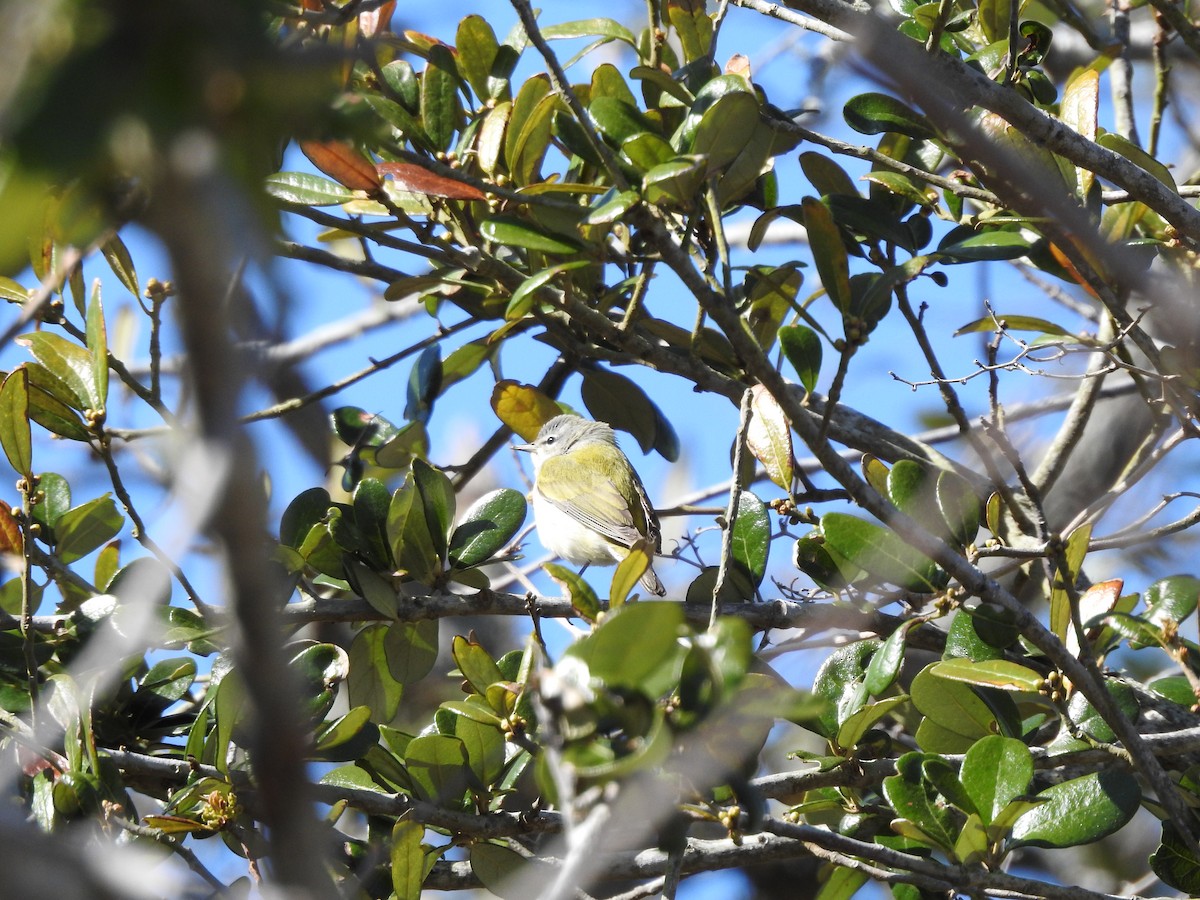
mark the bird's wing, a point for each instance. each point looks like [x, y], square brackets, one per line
[589, 498]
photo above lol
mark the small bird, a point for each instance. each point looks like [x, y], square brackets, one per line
[588, 501]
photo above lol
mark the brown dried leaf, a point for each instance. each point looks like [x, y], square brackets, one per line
[419, 180]
[345, 165]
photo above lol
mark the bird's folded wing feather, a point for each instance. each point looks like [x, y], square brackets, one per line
[589, 498]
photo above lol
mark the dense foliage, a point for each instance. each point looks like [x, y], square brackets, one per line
[930, 662]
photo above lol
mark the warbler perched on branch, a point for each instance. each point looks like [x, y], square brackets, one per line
[590, 505]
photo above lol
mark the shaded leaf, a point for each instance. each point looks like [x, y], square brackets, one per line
[407, 859]
[880, 552]
[828, 252]
[87, 527]
[486, 527]
[802, 347]
[513, 232]
[874, 113]
[14, 423]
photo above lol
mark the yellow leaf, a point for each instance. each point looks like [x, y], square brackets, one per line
[523, 408]
[769, 438]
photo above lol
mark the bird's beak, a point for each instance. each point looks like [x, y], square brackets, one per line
[528, 448]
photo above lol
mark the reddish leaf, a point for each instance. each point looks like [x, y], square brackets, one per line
[419, 180]
[10, 532]
[345, 165]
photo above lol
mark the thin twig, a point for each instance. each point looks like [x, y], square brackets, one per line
[735, 500]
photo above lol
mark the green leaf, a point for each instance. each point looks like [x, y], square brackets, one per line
[477, 49]
[424, 384]
[1175, 862]
[725, 129]
[995, 673]
[623, 404]
[824, 174]
[351, 776]
[959, 506]
[371, 502]
[646, 150]
[980, 633]
[1079, 111]
[437, 764]
[438, 503]
[121, 263]
[960, 715]
[880, 552]
[525, 296]
[994, 20]
[914, 799]
[525, 116]
[11, 291]
[304, 189]
[87, 527]
[751, 539]
[1060, 598]
[407, 859]
[1013, 323]
[51, 412]
[802, 347]
[988, 245]
[68, 364]
[441, 110]
[168, 680]
[611, 207]
[885, 664]
[14, 424]
[583, 598]
[505, 872]
[347, 737]
[1171, 599]
[840, 684]
[617, 120]
[476, 664]
[635, 647]
[533, 140]
[590, 28]
[55, 500]
[842, 884]
[1136, 155]
[695, 29]
[996, 771]
[513, 232]
[485, 749]
[487, 527]
[409, 535]
[307, 509]
[628, 571]
[829, 252]
[675, 183]
[874, 113]
[320, 668]
[851, 731]
[1079, 811]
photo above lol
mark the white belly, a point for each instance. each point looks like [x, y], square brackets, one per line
[564, 536]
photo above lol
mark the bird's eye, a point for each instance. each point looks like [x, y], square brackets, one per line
[551, 439]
